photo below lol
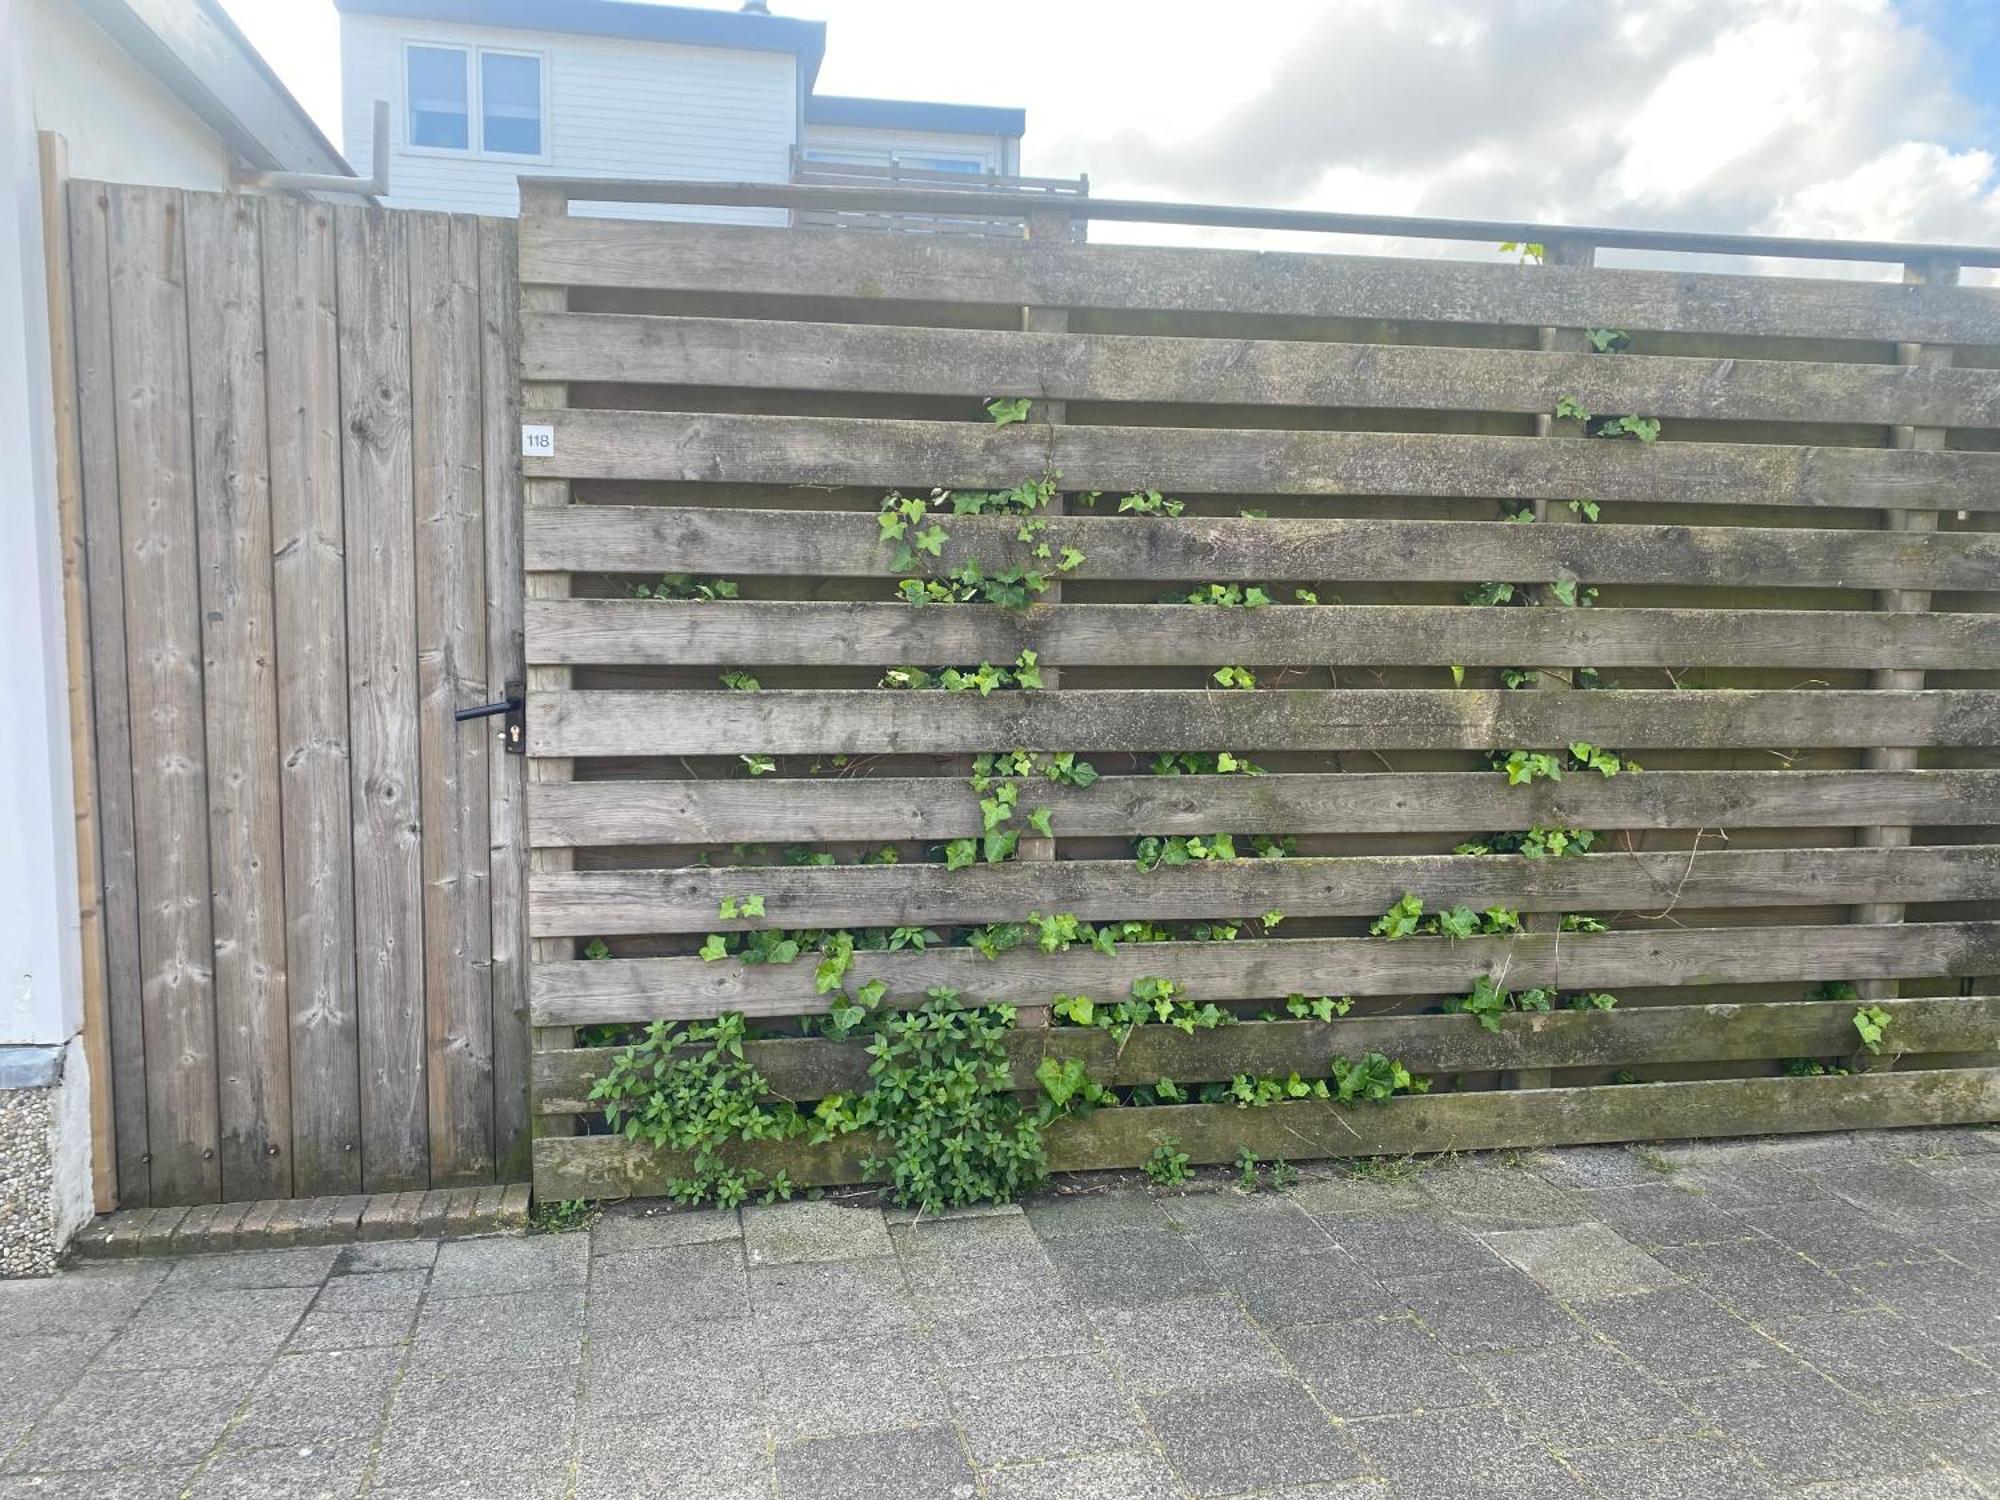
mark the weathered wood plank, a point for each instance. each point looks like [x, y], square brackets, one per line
[741, 543]
[579, 903]
[447, 455]
[876, 451]
[917, 807]
[376, 464]
[97, 398]
[875, 268]
[768, 354]
[612, 1167]
[812, 1069]
[302, 344]
[613, 990]
[607, 632]
[149, 352]
[584, 723]
[240, 663]
[499, 296]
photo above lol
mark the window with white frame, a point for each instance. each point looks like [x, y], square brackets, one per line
[451, 87]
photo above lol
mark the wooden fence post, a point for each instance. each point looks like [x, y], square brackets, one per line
[542, 396]
[1903, 757]
[1558, 252]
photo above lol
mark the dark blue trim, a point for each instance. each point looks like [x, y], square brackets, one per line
[805, 40]
[912, 114]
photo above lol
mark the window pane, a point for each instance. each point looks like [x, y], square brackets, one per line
[938, 163]
[438, 110]
[510, 102]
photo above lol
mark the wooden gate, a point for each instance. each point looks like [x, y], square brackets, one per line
[1751, 520]
[295, 426]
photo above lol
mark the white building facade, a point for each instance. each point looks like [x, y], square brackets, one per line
[483, 92]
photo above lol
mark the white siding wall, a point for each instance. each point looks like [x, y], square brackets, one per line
[878, 144]
[616, 108]
[119, 122]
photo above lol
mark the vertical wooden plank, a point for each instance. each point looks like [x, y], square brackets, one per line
[372, 266]
[447, 450]
[506, 662]
[239, 669]
[1047, 226]
[545, 396]
[1903, 757]
[149, 352]
[96, 419]
[302, 390]
[1562, 252]
[54, 176]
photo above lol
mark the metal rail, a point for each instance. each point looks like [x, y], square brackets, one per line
[946, 201]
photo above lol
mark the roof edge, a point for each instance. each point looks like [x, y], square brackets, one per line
[915, 114]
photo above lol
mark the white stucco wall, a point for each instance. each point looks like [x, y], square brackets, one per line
[613, 108]
[120, 124]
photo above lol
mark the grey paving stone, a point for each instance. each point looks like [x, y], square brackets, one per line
[492, 1267]
[1167, 1346]
[1487, 1310]
[1971, 1244]
[249, 1269]
[443, 1428]
[1468, 1453]
[1234, 1439]
[308, 1471]
[813, 1300]
[1319, 1288]
[400, 1290]
[1801, 1428]
[542, 1479]
[372, 1256]
[655, 1228]
[354, 1312]
[1230, 1224]
[1371, 1367]
[1125, 1267]
[1581, 1262]
[712, 1367]
[114, 1418]
[90, 1298]
[1954, 1305]
[896, 1216]
[1907, 1192]
[1010, 1333]
[1140, 1475]
[522, 1330]
[781, 1234]
[1581, 1396]
[1408, 1245]
[1885, 1359]
[1683, 1335]
[1338, 1190]
[99, 1484]
[959, 1266]
[924, 1463]
[1708, 1468]
[317, 1399]
[1595, 1167]
[713, 1455]
[1058, 1214]
[1836, 1234]
[208, 1328]
[1046, 1408]
[1756, 1183]
[1964, 1433]
[664, 1289]
[1665, 1214]
[1491, 1196]
[1932, 1484]
[1762, 1280]
[849, 1386]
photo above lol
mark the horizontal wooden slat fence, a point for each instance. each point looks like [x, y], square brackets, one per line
[1784, 608]
[300, 500]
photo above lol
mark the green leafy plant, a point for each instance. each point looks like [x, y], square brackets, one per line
[1528, 250]
[1149, 503]
[740, 908]
[1645, 429]
[758, 765]
[741, 682]
[1608, 340]
[1235, 677]
[1007, 409]
[685, 586]
[1408, 919]
[563, 1217]
[1167, 1165]
[1375, 1078]
[1870, 1024]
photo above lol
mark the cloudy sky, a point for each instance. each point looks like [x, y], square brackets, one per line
[1875, 118]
